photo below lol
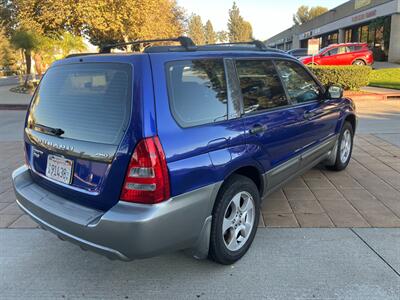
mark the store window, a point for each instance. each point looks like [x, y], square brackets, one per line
[348, 35]
[363, 34]
[328, 39]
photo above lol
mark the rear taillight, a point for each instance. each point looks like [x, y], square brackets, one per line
[147, 179]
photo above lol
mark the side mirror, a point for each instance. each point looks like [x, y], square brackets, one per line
[334, 92]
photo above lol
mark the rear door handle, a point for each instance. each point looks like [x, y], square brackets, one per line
[258, 129]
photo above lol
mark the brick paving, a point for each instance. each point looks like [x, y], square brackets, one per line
[366, 194]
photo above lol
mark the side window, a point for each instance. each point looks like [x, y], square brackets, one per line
[342, 50]
[333, 51]
[300, 86]
[197, 91]
[260, 85]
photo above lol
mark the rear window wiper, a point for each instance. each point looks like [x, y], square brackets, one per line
[51, 130]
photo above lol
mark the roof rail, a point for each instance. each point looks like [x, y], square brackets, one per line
[260, 45]
[79, 54]
[254, 45]
[185, 42]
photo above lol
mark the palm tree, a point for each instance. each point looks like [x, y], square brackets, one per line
[26, 42]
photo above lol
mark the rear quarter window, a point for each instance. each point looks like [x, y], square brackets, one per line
[197, 91]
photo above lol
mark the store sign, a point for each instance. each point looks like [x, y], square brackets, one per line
[361, 3]
[364, 16]
[313, 46]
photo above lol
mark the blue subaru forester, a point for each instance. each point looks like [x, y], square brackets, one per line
[134, 155]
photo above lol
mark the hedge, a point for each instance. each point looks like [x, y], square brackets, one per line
[349, 77]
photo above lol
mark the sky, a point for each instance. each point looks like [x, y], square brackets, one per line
[268, 17]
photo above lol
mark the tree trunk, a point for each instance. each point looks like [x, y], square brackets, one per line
[28, 63]
[38, 64]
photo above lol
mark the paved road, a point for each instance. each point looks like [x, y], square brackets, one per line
[11, 80]
[11, 125]
[282, 264]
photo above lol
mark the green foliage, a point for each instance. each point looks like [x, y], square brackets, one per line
[196, 30]
[210, 34]
[25, 40]
[70, 43]
[239, 30]
[305, 13]
[8, 55]
[222, 36]
[386, 78]
[101, 21]
[349, 77]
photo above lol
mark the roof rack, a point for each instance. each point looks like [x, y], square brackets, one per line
[254, 45]
[185, 42]
[258, 44]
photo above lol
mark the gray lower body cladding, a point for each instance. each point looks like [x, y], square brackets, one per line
[126, 231]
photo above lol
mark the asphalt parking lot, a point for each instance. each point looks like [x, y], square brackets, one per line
[309, 260]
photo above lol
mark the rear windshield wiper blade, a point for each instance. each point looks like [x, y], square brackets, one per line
[47, 129]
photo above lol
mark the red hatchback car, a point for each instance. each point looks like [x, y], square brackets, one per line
[342, 54]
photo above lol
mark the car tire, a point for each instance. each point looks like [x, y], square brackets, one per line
[234, 220]
[359, 62]
[344, 147]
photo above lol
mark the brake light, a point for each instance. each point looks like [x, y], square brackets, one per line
[147, 178]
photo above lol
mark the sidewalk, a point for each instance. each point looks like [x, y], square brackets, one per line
[378, 90]
[384, 65]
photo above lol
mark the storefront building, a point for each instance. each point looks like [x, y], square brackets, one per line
[376, 22]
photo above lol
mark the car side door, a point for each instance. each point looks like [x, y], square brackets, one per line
[329, 57]
[317, 116]
[343, 56]
[271, 127]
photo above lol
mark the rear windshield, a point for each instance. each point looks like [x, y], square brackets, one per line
[89, 102]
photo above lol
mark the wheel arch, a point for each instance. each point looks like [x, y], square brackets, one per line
[360, 58]
[250, 171]
[351, 118]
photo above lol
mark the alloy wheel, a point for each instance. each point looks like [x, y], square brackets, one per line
[238, 221]
[345, 146]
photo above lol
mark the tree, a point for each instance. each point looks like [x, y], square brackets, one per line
[305, 14]
[210, 35]
[239, 30]
[196, 30]
[103, 21]
[222, 36]
[247, 31]
[8, 55]
[100, 21]
[70, 43]
[26, 42]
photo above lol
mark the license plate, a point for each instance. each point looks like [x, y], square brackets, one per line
[59, 168]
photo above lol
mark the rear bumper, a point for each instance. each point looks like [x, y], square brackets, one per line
[126, 231]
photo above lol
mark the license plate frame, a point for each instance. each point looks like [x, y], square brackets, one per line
[59, 168]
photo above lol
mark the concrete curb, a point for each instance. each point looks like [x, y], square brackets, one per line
[373, 96]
